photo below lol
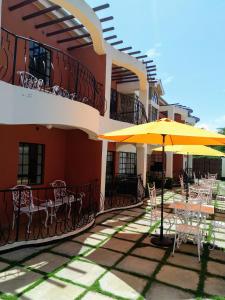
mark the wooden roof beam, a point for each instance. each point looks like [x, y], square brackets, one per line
[116, 43]
[41, 12]
[55, 21]
[125, 48]
[21, 4]
[101, 7]
[79, 46]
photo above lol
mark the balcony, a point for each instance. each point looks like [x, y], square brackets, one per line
[30, 64]
[127, 108]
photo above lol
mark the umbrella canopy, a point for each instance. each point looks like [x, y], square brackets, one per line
[192, 150]
[167, 132]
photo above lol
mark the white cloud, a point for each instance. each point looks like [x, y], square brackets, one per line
[154, 51]
[213, 124]
[168, 79]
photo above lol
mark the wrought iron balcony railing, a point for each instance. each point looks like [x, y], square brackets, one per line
[28, 63]
[127, 108]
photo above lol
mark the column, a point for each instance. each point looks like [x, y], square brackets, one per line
[103, 166]
[142, 161]
[169, 164]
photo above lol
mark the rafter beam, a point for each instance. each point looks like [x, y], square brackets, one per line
[134, 52]
[150, 67]
[121, 72]
[74, 27]
[41, 12]
[21, 4]
[125, 48]
[124, 77]
[79, 46]
[116, 43]
[142, 56]
[147, 61]
[101, 7]
[56, 21]
[74, 38]
[108, 29]
[126, 81]
[111, 37]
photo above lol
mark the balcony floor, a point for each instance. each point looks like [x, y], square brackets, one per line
[114, 260]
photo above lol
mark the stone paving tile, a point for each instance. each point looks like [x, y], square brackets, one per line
[130, 213]
[103, 217]
[102, 229]
[149, 252]
[185, 261]
[16, 279]
[52, 289]
[188, 248]
[217, 254]
[122, 284]
[71, 248]
[20, 254]
[95, 296]
[3, 265]
[114, 223]
[46, 262]
[118, 245]
[163, 292]
[214, 286]
[82, 272]
[89, 238]
[138, 228]
[128, 235]
[178, 277]
[143, 222]
[104, 257]
[137, 265]
[216, 268]
[124, 218]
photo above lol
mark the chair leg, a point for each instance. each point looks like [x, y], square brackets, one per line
[174, 243]
[199, 248]
[13, 223]
[46, 219]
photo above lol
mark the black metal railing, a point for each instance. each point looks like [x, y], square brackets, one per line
[127, 108]
[43, 213]
[33, 65]
[123, 190]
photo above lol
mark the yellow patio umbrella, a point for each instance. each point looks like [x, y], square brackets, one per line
[192, 150]
[164, 132]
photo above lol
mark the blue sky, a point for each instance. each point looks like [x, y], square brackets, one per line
[186, 40]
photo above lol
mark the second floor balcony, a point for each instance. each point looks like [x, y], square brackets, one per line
[33, 65]
[127, 108]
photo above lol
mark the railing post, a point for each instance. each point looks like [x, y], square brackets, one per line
[77, 79]
[14, 60]
[18, 217]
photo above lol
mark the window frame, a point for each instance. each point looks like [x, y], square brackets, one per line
[125, 163]
[32, 164]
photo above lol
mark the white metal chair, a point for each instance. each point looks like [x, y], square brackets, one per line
[23, 204]
[185, 230]
[155, 214]
[212, 176]
[28, 80]
[181, 178]
[64, 196]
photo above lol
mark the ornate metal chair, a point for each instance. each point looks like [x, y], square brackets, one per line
[155, 214]
[183, 230]
[62, 195]
[23, 203]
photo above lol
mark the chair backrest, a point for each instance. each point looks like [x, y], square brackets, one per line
[200, 195]
[60, 190]
[181, 178]
[152, 195]
[186, 213]
[212, 176]
[22, 196]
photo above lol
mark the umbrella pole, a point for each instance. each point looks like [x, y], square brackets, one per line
[187, 177]
[161, 240]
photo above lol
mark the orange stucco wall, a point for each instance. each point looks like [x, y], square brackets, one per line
[69, 154]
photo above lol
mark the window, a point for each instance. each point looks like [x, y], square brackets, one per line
[31, 163]
[154, 115]
[109, 165]
[127, 163]
[40, 62]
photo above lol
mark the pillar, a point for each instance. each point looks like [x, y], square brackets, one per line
[142, 161]
[169, 164]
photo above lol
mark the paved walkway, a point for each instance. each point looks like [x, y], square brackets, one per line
[113, 260]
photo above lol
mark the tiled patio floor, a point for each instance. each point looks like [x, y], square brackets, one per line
[113, 260]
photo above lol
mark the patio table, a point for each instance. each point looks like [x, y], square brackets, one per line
[194, 207]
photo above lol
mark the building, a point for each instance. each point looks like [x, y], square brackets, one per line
[175, 163]
[63, 83]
